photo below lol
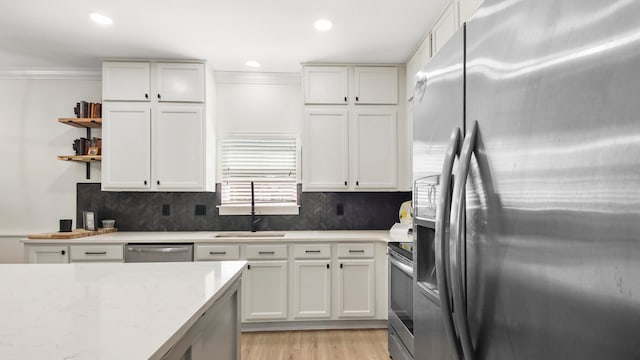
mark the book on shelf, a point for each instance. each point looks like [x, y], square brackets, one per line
[86, 109]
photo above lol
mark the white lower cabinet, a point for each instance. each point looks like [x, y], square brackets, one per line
[264, 289]
[96, 253]
[289, 282]
[355, 288]
[47, 254]
[311, 289]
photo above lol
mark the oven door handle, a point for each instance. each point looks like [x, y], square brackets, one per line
[407, 269]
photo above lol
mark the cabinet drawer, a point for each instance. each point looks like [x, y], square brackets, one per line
[355, 250]
[312, 251]
[217, 252]
[265, 252]
[96, 253]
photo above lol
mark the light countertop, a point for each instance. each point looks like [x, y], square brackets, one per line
[123, 237]
[105, 310]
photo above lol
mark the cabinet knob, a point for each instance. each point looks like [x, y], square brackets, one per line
[357, 98]
[345, 183]
[62, 252]
[158, 96]
[357, 183]
[345, 99]
[327, 266]
[146, 96]
[340, 266]
[145, 182]
[158, 182]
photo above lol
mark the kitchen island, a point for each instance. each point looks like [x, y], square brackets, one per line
[120, 311]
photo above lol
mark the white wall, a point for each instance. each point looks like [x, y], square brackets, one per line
[36, 189]
[258, 102]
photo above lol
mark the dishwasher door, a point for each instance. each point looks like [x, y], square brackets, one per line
[158, 252]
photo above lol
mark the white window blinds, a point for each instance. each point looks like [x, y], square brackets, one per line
[269, 161]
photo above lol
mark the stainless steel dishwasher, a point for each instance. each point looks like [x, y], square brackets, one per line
[158, 252]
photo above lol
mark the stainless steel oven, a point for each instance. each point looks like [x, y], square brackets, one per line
[401, 300]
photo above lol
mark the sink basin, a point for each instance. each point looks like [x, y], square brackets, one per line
[248, 234]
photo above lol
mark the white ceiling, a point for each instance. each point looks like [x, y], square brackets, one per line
[45, 34]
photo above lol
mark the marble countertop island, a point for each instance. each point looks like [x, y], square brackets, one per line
[105, 310]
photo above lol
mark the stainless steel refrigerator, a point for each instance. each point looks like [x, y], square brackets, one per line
[527, 185]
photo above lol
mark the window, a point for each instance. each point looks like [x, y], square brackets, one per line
[270, 161]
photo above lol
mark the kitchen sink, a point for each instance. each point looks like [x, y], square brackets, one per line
[248, 234]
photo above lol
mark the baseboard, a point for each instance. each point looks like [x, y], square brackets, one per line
[314, 325]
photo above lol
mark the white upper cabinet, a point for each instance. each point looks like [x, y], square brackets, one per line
[158, 144]
[326, 150]
[126, 146]
[343, 85]
[325, 84]
[444, 28]
[180, 82]
[375, 84]
[349, 151]
[177, 147]
[412, 69]
[374, 150]
[126, 81]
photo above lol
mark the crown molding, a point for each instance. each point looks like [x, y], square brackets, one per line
[245, 77]
[51, 74]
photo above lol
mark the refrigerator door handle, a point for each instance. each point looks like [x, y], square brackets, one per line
[442, 244]
[456, 231]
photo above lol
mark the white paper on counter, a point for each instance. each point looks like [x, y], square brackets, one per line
[400, 232]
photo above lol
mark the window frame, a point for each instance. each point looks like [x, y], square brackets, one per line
[260, 208]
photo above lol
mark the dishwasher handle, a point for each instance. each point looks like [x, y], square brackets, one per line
[161, 250]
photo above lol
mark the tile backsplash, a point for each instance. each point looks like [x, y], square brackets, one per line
[196, 211]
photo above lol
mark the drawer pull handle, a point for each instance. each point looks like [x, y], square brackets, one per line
[312, 251]
[95, 253]
[266, 252]
[356, 251]
[217, 253]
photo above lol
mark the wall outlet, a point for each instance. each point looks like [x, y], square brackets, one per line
[201, 210]
[166, 209]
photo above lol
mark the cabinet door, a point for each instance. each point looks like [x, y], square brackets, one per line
[47, 254]
[125, 147]
[376, 84]
[125, 81]
[374, 150]
[96, 253]
[179, 82]
[444, 28]
[355, 288]
[325, 84]
[311, 289]
[326, 149]
[264, 287]
[178, 148]
[412, 69]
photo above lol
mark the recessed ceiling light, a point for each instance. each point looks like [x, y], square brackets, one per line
[100, 19]
[253, 64]
[323, 24]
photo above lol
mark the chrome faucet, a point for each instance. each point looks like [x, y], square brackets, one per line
[254, 221]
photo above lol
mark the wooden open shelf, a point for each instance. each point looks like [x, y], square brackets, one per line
[82, 122]
[82, 158]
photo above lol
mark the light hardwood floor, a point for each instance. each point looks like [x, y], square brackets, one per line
[365, 344]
